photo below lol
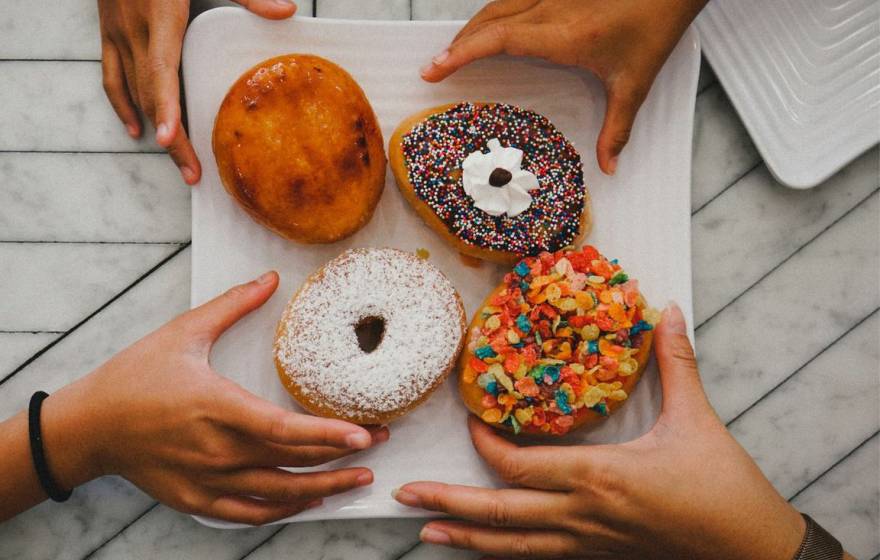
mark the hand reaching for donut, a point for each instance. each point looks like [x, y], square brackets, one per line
[140, 55]
[160, 416]
[686, 489]
[624, 43]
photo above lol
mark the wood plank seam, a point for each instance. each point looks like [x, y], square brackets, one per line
[103, 306]
[789, 257]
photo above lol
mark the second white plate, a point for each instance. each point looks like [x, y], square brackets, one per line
[804, 76]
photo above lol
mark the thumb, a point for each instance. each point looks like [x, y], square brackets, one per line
[623, 105]
[211, 319]
[679, 376]
[271, 9]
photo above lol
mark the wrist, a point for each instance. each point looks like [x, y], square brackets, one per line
[69, 437]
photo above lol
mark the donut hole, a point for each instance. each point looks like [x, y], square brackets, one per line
[370, 330]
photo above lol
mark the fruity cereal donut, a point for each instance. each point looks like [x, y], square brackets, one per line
[496, 181]
[559, 344]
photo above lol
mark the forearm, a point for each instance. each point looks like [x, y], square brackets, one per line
[65, 443]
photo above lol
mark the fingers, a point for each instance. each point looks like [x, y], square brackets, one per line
[184, 156]
[210, 320]
[276, 455]
[507, 543]
[164, 109]
[547, 467]
[495, 10]
[271, 9]
[494, 38]
[250, 511]
[277, 485]
[263, 420]
[116, 89]
[679, 376]
[496, 508]
[623, 105]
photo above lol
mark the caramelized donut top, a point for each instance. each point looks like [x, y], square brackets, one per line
[560, 336]
[298, 146]
[435, 149]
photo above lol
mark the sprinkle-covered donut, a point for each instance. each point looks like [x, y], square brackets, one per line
[369, 336]
[497, 181]
[560, 343]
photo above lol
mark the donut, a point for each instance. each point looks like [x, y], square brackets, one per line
[369, 336]
[559, 344]
[496, 181]
[298, 147]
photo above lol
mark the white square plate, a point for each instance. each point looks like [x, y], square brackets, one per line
[641, 216]
[804, 76]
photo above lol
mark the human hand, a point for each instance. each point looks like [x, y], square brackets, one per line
[160, 416]
[686, 489]
[140, 56]
[624, 43]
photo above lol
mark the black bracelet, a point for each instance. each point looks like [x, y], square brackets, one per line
[818, 544]
[38, 455]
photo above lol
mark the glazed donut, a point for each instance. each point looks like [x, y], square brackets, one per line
[369, 336]
[298, 147]
[496, 181]
[559, 344]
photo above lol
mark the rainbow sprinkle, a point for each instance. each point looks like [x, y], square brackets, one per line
[435, 149]
[559, 339]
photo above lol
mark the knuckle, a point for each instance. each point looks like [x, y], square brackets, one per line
[236, 292]
[498, 514]
[680, 349]
[510, 470]
[499, 31]
[520, 546]
[217, 456]
[188, 501]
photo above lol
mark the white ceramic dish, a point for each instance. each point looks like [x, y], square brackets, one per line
[642, 216]
[804, 77]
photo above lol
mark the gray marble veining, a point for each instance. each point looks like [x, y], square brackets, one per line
[60, 106]
[790, 316]
[794, 435]
[92, 197]
[757, 223]
[844, 501]
[69, 280]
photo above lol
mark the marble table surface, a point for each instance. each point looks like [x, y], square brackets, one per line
[95, 252]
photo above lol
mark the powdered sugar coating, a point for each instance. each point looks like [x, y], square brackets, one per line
[424, 322]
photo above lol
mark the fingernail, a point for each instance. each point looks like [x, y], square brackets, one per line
[132, 130]
[265, 278]
[612, 165]
[187, 173]
[406, 498]
[436, 61]
[381, 436]
[360, 440]
[314, 503]
[364, 478]
[162, 131]
[673, 319]
[433, 536]
[283, 3]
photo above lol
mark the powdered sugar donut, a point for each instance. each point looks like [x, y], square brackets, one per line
[369, 336]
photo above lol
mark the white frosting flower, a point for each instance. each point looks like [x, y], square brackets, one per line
[496, 180]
